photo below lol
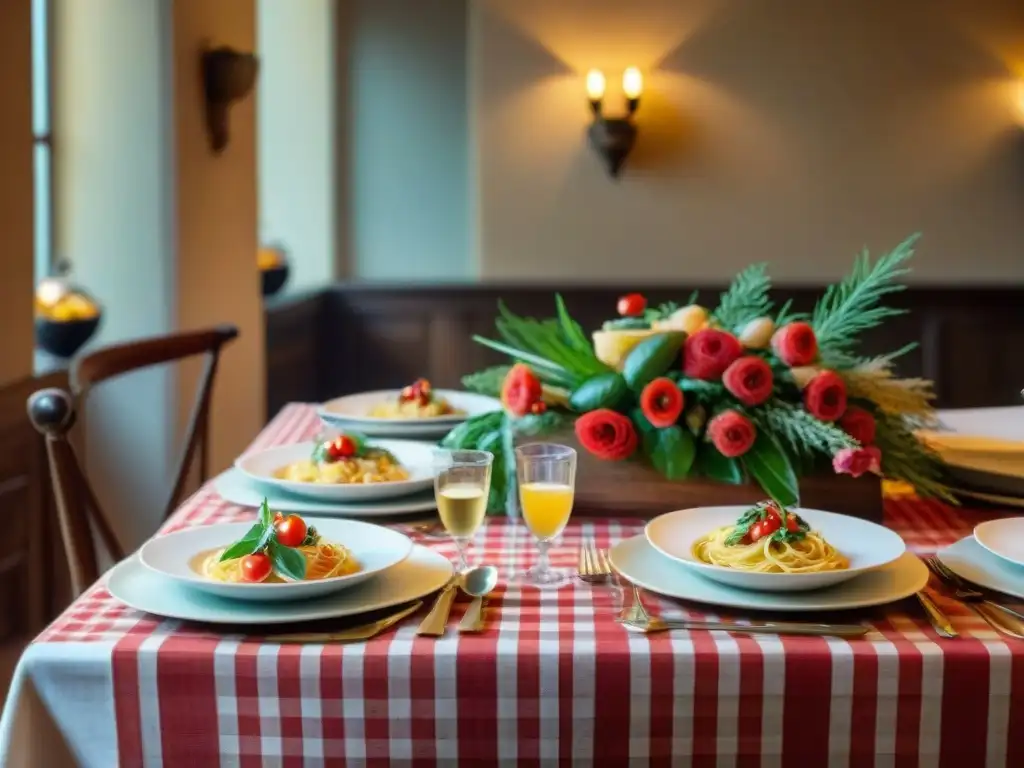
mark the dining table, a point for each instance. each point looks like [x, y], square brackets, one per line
[552, 680]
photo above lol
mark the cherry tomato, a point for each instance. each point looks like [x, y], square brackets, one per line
[632, 305]
[256, 567]
[342, 447]
[756, 531]
[770, 525]
[291, 531]
[792, 525]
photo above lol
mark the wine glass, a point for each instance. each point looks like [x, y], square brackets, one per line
[462, 481]
[547, 481]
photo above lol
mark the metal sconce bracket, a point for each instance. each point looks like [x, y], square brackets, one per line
[228, 76]
[613, 139]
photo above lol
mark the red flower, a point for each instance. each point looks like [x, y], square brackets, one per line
[732, 433]
[520, 390]
[709, 352]
[858, 424]
[825, 396]
[661, 402]
[795, 344]
[606, 434]
[857, 461]
[749, 379]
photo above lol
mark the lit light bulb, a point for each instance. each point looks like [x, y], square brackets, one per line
[595, 85]
[632, 83]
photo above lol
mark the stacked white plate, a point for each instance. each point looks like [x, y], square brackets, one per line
[984, 452]
[352, 413]
[992, 557]
[661, 560]
[161, 578]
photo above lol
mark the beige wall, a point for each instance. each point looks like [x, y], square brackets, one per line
[793, 131]
[215, 210]
[16, 261]
[159, 228]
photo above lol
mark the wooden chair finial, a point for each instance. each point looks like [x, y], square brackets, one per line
[51, 411]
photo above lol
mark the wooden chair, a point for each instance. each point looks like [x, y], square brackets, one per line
[53, 412]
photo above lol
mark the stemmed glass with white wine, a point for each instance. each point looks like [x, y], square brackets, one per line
[547, 483]
[462, 481]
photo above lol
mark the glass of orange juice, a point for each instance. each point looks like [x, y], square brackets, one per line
[462, 481]
[547, 481]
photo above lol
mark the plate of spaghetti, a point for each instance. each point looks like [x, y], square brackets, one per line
[347, 467]
[414, 410]
[765, 547]
[279, 557]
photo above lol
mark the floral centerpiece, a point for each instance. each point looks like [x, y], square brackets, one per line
[742, 392]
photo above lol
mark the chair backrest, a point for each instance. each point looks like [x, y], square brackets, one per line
[53, 412]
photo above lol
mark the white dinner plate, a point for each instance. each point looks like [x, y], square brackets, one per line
[375, 548]
[1003, 538]
[235, 487]
[642, 564]
[971, 561]
[400, 430]
[352, 412]
[866, 545]
[423, 572]
[417, 459]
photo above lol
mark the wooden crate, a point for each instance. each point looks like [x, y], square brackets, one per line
[635, 489]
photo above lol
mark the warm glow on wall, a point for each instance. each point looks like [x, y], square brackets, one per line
[1019, 98]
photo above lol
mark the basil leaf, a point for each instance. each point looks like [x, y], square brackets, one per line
[266, 516]
[360, 442]
[245, 545]
[719, 467]
[674, 451]
[320, 455]
[770, 467]
[288, 562]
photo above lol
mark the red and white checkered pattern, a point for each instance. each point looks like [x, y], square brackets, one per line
[556, 680]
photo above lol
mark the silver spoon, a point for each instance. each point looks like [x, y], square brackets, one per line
[477, 582]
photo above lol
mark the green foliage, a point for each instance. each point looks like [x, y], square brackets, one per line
[768, 464]
[488, 381]
[715, 466]
[606, 390]
[853, 306]
[672, 451]
[556, 349]
[651, 358]
[906, 458]
[746, 299]
[799, 433]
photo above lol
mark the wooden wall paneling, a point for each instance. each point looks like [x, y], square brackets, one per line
[374, 336]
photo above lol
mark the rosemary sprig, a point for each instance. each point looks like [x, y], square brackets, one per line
[873, 380]
[747, 298]
[801, 433]
[852, 306]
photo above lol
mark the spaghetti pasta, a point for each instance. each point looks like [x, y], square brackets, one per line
[323, 561]
[767, 540]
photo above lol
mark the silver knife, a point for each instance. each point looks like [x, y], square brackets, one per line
[434, 623]
[939, 621]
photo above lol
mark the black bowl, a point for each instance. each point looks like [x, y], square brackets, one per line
[63, 339]
[274, 279]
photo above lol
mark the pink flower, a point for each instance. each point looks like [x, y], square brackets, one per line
[857, 461]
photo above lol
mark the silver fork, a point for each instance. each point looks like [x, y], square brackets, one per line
[593, 566]
[966, 593]
[636, 619]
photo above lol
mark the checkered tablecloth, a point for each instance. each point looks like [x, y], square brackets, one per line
[554, 680]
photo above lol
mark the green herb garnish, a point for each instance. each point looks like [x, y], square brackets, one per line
[262, 537]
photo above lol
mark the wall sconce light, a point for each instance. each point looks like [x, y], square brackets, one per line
[613, 137]
[228, 76]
